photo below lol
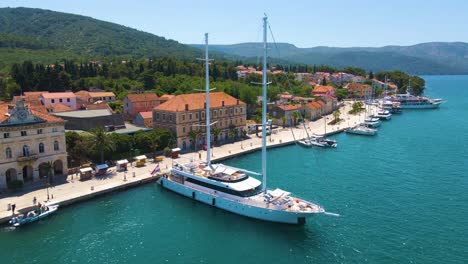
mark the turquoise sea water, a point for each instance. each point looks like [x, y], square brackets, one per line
[402, 197]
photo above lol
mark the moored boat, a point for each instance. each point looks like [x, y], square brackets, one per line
[383, 115]
[34, 215]
[318, 141]
[409, 101]
[362, 130]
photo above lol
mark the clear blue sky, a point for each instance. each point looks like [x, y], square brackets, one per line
[305, 23]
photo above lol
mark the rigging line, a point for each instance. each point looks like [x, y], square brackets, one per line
[316, 159]
[274, 40]
[279, 56]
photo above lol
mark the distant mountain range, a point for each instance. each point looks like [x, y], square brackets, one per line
[425, 58]
[47, 36]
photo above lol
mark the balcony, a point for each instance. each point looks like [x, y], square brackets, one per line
[29, 157]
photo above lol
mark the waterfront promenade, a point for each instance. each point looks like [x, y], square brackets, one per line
[72, 190]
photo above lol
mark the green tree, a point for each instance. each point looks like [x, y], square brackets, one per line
[283, 120]
[100, 142]
[336, 115]
[341, 94]
[216, 131]
[295, 116]
[193, 135]
[232, 133]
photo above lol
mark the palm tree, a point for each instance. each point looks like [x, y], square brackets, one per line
[295, 115]
[232, 133]
[49, 168]
[193, 135]
[336, 116]
[216, 131]
[100, 141]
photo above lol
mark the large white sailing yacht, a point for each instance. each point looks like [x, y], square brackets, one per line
[233, 189]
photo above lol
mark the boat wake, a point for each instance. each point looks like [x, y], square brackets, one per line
[332, 214]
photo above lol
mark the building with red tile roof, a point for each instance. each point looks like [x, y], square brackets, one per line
[358, 90]
[186, 112]
[136, 103]
[66, 98]
[93, 97]
[323, 90]
[144, 119]
[30, 139]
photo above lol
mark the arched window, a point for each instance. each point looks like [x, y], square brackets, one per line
[41, 147]
[25, 151]
[8, 153]
[56, 145]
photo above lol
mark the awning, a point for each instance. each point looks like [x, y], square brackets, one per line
[141, 157]
[101, 166]
[121, 162]
[278, 193]
[225, 170]
[87, 169]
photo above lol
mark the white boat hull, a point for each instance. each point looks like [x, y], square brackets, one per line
[361, 132]
[421, 106]
[214, 199]
[311, 143]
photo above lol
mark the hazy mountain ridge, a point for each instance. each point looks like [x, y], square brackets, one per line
[424, 58]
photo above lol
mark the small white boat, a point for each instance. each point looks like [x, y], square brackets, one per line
[383, 115]
[318, 141]
[33, 216]
[362, 130]
[372, 122]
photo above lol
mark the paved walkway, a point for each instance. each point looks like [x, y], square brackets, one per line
[71, 189]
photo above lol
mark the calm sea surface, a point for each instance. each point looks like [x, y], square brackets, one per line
[402, 197]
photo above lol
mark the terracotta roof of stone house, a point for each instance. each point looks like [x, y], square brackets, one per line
[142, 97]
[196, 101]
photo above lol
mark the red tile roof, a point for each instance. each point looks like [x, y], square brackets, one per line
[40, 112]
[146, 115]
[196, 101]
[57, 108]
[142, 97]
[289, 107]
[323, 89]
[96, 106]
[313, 105]
[358, 86]
[58, 95]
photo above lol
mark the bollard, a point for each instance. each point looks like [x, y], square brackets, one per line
[133, 174]
[9, 207]
[92, 188]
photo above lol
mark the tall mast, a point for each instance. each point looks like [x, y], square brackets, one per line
[207, 100]
[264, 105]
[408, 89]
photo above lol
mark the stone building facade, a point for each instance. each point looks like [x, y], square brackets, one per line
[30, 139]
[185, 113]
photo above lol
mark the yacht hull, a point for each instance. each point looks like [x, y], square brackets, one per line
[421, 106]
[235, 206]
